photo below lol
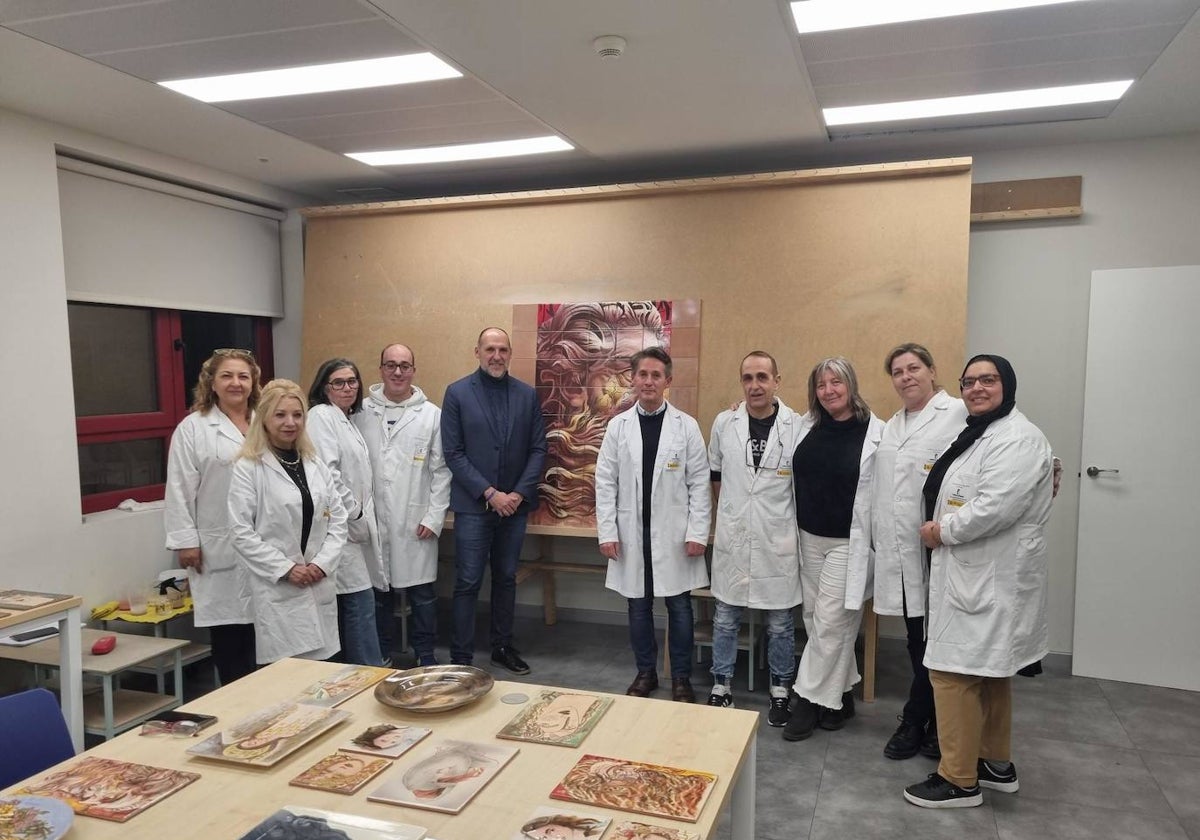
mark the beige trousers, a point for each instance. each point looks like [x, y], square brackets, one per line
[974, 720]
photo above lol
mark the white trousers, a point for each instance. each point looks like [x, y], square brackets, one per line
[827, 666]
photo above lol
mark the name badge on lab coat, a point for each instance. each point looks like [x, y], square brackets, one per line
[785, 468]
[419, 455]
[673, 461]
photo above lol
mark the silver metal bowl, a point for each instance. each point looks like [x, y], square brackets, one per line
[434, 688]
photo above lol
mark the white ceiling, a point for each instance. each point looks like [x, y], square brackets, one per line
[705, 86]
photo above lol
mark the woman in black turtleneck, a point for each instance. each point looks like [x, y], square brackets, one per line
[831, 468]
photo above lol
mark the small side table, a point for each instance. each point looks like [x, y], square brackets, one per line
[193, 652]
[117, 709]
[66, 612]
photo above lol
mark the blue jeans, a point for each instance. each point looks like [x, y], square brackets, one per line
[385, 621]
[482, 541]
[422, 603]
[781, 642]
[679, 633]
[356, 629]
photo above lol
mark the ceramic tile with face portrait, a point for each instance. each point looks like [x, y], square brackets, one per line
[560, 718]
[341, 773]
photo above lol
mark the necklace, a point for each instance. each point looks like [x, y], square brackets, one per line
[288, 462]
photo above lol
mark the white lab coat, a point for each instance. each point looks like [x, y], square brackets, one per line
[266, 512]
[905, 456]
[756, 548]
[987, 586]
[681, 504]
[412, 483]
[342, 448]
[196, 514]
[861, 563]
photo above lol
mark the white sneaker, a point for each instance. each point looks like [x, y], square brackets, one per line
[720, 696]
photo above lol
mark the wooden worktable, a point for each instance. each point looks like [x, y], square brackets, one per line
[230, 799]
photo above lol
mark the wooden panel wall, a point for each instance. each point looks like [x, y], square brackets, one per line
[801, 266]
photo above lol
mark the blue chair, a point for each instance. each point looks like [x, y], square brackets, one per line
[33, 735]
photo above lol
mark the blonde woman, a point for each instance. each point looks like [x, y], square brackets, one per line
[196, 512]
[289, 527]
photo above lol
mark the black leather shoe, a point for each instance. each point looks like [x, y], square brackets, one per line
[644, 683]
[905, 741]
[507, 657]
[803, 720]
[681, 690]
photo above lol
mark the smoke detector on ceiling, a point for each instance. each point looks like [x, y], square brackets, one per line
[609, 46]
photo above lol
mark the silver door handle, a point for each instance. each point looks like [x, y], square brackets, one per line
[1093, 472]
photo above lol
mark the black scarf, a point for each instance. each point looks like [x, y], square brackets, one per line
[976, 426]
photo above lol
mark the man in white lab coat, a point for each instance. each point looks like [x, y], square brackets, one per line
[756, 549]
[402, 430]
[652, 516]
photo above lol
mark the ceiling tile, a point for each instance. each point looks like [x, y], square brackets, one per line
[349, 103]
[140, 25]
[419, 138]
[405, 119]
[263, 50]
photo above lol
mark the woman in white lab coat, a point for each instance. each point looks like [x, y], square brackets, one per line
[289, 528]
[336, 395]
[831, 470]
[196, 511]
[987, 501]
[917, 434]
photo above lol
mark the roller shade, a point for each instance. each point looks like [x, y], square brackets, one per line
[134, 241]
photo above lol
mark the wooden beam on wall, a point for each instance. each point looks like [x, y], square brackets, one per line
[1033, 198]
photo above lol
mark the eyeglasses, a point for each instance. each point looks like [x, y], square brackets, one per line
[987, 380]
[339, 384]
[763, 456]
[392, 367]
[235, 352]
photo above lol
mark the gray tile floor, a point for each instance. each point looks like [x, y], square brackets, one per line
[1096, 759]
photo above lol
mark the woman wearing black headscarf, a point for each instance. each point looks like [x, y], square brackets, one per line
[987, 500]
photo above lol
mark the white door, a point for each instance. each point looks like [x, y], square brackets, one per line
[1137, 580]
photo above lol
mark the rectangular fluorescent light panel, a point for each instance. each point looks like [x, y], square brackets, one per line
[316, 78]
[983, 103]
[466, 151]
[828, 15]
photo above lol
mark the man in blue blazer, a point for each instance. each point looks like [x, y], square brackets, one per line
[495, 445]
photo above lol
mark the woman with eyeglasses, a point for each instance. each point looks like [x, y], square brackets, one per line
[335, 396]
[289, 528]
[831, 469]
[196, 515]
[987, 500]
[928, 420]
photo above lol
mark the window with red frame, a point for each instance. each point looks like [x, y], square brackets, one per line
[133, 370]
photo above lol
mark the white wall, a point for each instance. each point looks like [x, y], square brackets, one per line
[1029, 295]
[47, 543]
